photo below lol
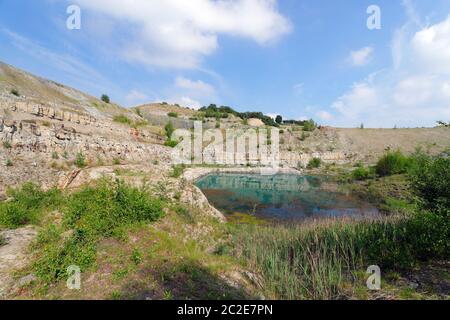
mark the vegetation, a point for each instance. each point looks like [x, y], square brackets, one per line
[105, 98]
[123, 119]
[314, 163]
[394, 163]
[9, 163]
[322, 260]
[309, 125]
[80, 160]
[15, 92]
[212, 111]
[430, 180]
[27, 205]
[127, 121]
[443, 124]
[91, 214]
[173, 115]
[279, 119]
[7, 145]
[177, 171]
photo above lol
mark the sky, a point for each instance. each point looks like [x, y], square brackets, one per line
[298, 58]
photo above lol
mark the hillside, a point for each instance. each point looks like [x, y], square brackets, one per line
[104, 170]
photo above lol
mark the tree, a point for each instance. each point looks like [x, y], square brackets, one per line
[279, 119]
[105, 98]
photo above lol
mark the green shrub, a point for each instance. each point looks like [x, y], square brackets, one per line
[27, 205]
[80, 160]
[15, 92]
[93, 213]
[7, 145]
[393, 163]
[9, 163]
[177, 171]
[430, 180]
[171, 143]
[169, 129]
[55, 155]
[362, 174]
[122, 119]
[173, 115]
[105, 98]
[314, 163]
[309, 125]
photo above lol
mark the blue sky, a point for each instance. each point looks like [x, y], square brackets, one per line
[299, 58]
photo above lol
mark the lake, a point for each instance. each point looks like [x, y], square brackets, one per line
[281, 197]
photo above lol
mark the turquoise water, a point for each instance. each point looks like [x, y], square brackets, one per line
[281, 197]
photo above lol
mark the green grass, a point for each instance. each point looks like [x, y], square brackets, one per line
[80, 160]
[2, 240]
[7, 145]
[91, 214]
[27, 205]
[314, 163]
[177, 171]
[123, 120]
[316, 262]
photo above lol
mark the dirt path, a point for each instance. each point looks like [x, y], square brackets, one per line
[13, 255]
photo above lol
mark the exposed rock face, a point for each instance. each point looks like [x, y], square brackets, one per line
[36, 136]
[13, 257]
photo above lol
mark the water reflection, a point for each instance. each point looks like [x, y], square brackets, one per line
[281, 197]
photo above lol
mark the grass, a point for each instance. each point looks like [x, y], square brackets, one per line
[314, 163]
[7, 145]
[177, 171]
[316, 262]
[123, 119]
[2, 240]
[92, 214]
[80, 160]
[27, 205]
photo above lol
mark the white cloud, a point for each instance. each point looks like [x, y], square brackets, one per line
[199, 87]
[135, 97]
[187, 102]
[179, 33]
[361, 57]
[414, 92]
[324, 115]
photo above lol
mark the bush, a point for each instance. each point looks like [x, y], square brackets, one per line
[309, 125]
[169, 129]
[105, 98]
[122, 119]
[9, 163]
[27, 205]
[93, 213]
[362, 174]
[177, 171]
[430, 180]
[7, 145]
[393, 163]
[80, 160]
[314, 163]
[15, 92]
[173, 115]
[171, 143]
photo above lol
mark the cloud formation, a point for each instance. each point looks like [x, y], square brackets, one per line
[179, 33]
[361, 57]
[416, 90]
